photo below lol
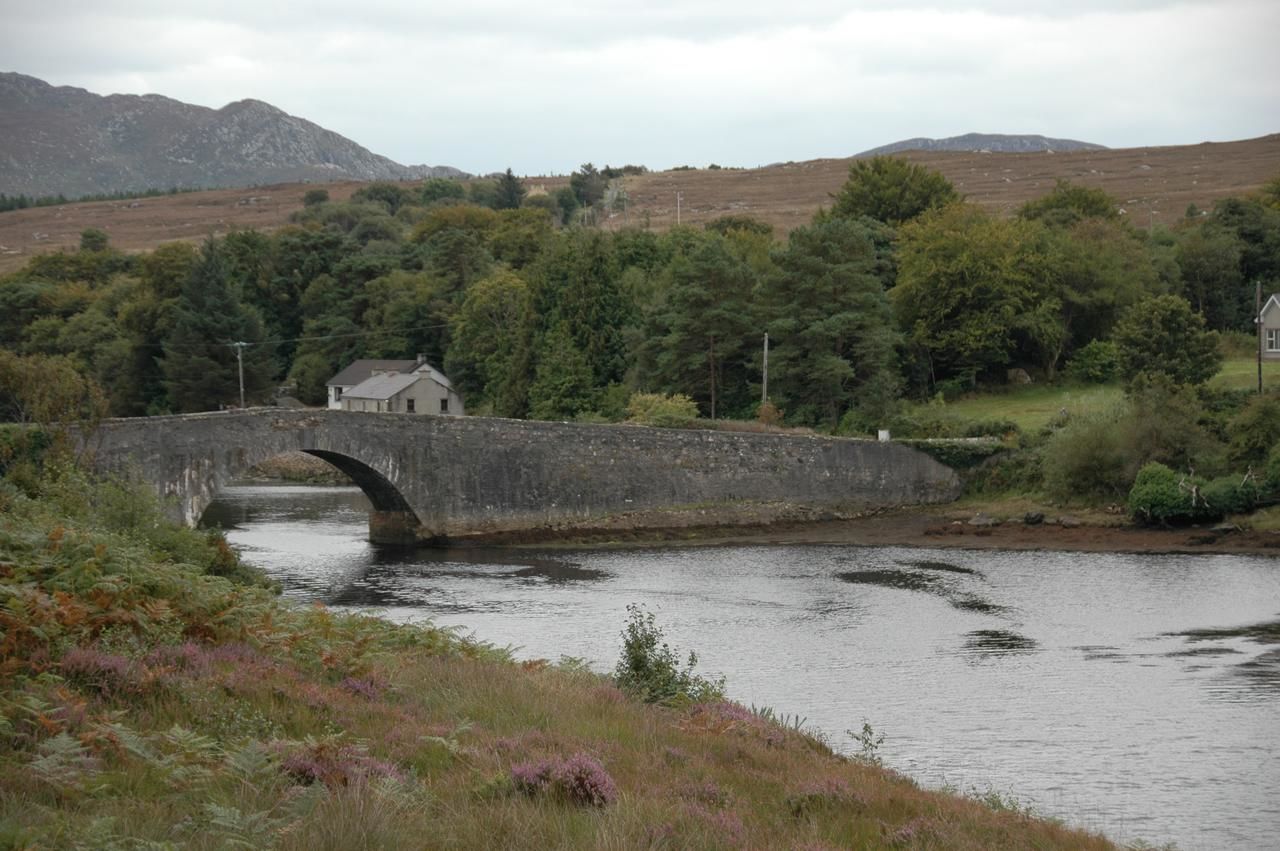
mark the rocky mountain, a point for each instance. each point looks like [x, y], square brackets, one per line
[997, 143]
[64, 140]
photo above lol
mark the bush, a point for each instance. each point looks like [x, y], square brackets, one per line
[650, 668]
[314, 197]
[1232, 495]
[1255, 430]
[1088, 459]
[1096, 363]
[1161, 496]
[657, 409]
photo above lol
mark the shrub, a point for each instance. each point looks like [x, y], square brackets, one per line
[1231, 495]
[1087, 458]
[1255, 430]
[657, 409]
[650, 669]
[312, 197]
[768, 414]
[1096, 363]
[580, 779]
[1161, 496]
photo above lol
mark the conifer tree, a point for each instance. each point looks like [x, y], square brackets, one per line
[200, 368]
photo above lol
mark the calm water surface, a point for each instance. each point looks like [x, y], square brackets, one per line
[1048, 676]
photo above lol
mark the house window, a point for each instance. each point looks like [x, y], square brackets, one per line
[337, 394]
[1273, 339]
[444, 405]
[408, 405]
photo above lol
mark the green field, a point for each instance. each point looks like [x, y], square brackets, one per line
[1034, 405]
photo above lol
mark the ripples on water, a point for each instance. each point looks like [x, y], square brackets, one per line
[1058, 677]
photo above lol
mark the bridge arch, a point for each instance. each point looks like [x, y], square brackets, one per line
[431, 477]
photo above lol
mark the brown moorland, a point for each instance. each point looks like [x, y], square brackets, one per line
[1154, 185]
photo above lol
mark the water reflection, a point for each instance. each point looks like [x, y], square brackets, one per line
[1063, 678]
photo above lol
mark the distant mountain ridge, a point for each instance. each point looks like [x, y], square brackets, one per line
[64, 140]
[1000, 143]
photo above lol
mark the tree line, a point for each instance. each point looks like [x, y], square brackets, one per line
[899, 290]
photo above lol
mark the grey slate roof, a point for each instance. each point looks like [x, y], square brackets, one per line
[382, 387]
[360, 371]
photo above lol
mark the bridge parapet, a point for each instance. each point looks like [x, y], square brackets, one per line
[432, 477]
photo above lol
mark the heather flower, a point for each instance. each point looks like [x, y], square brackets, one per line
[333, 764]
[580, 779]
[105, 673]
[367, 687]
[726, 825]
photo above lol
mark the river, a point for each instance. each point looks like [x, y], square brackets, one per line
[1053, 678]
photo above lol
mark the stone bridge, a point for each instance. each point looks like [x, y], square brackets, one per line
[437, 477]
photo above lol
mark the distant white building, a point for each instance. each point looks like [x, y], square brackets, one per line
[394, 386]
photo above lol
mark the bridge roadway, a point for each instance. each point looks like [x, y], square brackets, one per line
[438, 477]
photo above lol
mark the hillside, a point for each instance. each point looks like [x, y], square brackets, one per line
[1154, 186]
[64, 140]
[997, 143]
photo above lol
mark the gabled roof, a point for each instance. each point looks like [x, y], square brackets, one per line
[424, 368]
[1274, 300]
[382, 387]
[361, 370]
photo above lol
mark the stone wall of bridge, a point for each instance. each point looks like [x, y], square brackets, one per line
[436, 477]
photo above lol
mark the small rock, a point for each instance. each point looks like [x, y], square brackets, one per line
[1226, 528]
[1066, 521]
[1018, 376]
[1033, 518]
[983, 520]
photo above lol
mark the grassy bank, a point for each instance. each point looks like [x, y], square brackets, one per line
[154, 694]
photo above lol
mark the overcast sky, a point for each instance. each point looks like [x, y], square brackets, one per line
[544, 86]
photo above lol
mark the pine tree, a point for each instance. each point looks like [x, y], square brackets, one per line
[200, 368]
[511, 192]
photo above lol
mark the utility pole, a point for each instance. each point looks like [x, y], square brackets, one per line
[239, 347]
[679, 198]
[764, 386]
[1257, 318]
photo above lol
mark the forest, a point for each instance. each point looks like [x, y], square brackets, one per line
[897, 294]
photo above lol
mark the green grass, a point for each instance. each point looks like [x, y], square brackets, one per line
[1033, 406]
[1242, 374]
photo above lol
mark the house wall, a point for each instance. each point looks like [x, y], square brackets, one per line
[426, 395]
[335, 403]
[1271, 322]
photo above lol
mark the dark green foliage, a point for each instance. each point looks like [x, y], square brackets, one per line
[1095, 457]
[700, 339]
[1231, 495]
[388, 195]
[441, 189]
[588, 185]
[650, 669]
[313, 197]
[1096, 363]
[1162, 497]
[1164, 335]
[567, 201]
[489, 356]
[563, 386]
[958, 454]
[1067, 204]
[891, 190]
[831, 323]
[200, 368]
[723, 224]
[577, 281]
[1209, 262]
[1255, 430]
[510, 192]
[972, 291]
[483, 193]
[93, 239]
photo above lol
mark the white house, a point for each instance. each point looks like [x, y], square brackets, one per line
[406, 387]
[1269, 328]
